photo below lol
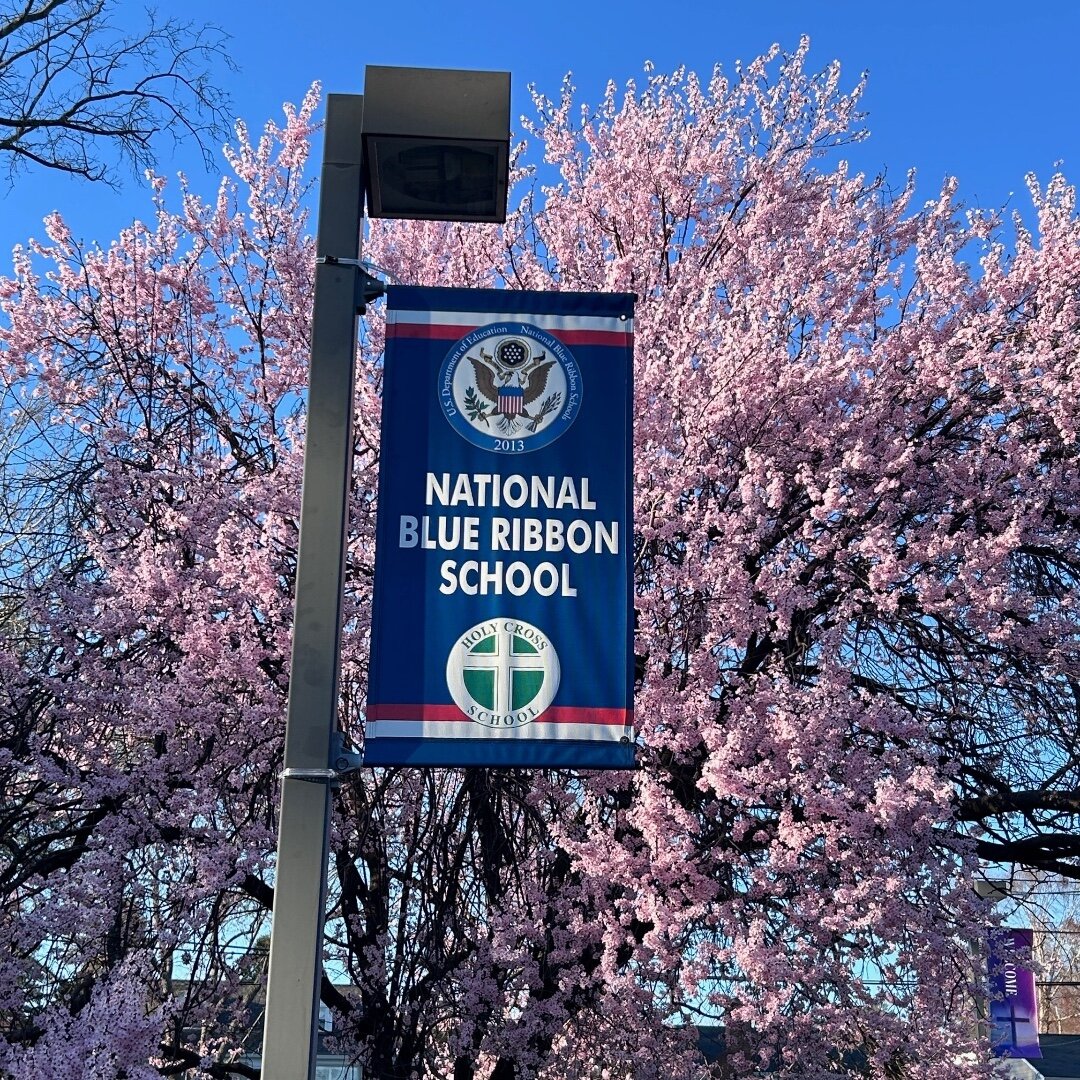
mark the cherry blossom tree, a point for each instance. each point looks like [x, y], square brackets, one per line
[142, 726]
[857, 520]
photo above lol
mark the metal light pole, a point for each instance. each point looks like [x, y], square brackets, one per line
[437, 148]
[290, 1029]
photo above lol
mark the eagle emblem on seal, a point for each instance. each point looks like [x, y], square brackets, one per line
[509, 385]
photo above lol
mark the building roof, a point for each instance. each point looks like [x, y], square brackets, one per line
[1061, 1057]
[1060, 1060]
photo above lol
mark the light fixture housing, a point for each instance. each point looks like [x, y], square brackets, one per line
[436, 143]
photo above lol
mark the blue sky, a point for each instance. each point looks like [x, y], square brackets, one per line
[982, 90]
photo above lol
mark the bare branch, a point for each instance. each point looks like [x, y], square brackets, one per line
[80, 96]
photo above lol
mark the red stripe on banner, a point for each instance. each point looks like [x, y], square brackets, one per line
[443, 332]
[427, 330]
[415, 712]
[556, 714]
[574, 714]
[592, 337]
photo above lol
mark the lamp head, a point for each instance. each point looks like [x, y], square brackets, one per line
[436, 143]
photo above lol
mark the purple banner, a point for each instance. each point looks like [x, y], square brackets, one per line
[1014, 1007]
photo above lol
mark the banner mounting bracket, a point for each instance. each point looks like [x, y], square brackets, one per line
[368, 287]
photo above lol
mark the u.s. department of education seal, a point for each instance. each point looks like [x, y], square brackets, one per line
[503, 673]
[510, 387]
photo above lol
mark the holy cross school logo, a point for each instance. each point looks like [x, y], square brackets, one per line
[510, 387]
[503, 673]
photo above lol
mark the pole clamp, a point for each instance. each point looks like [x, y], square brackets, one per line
[368, 287]
[342, 762]
[316, 776]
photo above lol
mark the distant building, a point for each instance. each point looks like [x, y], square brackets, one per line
[1060, 1060]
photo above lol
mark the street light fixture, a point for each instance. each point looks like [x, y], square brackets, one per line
[436, 146]
[421, 143]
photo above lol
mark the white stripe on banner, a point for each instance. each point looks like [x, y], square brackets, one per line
[467, 730]
[483, 318]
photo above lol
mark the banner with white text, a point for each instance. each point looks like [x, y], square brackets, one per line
[501, 629]
[1014, 1005]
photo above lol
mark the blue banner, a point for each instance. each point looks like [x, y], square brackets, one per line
[501, 629]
